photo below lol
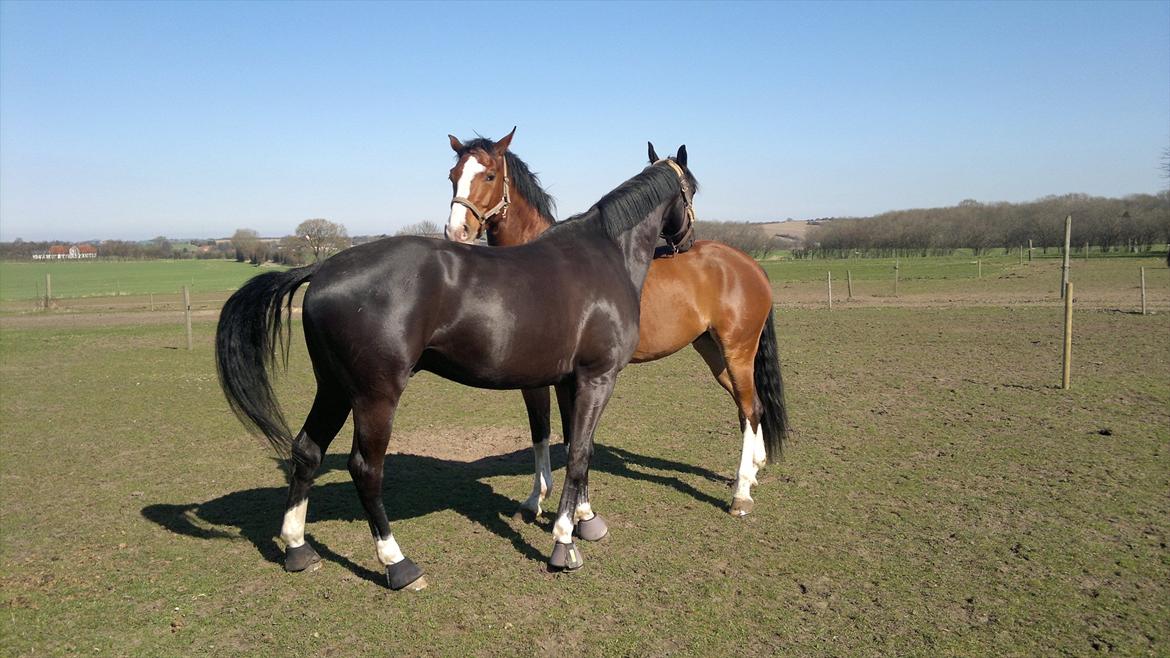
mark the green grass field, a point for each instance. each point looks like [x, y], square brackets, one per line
[942, 497]
[73, 279]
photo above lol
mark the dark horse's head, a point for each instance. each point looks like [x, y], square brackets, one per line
[680, 234]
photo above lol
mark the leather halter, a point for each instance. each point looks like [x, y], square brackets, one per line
[673, 241]
[500, 208]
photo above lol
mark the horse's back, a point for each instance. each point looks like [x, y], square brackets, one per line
[690, 293]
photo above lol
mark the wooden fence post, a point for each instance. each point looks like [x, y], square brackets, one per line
[849, 279]
[830, 290]
[48, 290]
[1067, 361]
[1143, 290]
[1067, 239]
[187, 306]
[1029, 251]
[979, 265]
[895, 277]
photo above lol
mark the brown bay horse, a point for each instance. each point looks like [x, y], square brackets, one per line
[711, 296]
[561, 311]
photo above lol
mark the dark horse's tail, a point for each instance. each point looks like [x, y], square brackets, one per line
[245, 349]
[770, 391]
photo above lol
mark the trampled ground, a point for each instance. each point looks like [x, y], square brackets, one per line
[942, 496]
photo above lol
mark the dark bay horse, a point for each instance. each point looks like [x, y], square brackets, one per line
[711, 296]
[561, 311]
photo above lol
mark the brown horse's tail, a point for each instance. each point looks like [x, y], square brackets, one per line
[770, 392]
[245, 349]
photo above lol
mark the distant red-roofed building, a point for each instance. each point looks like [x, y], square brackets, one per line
[72, 252]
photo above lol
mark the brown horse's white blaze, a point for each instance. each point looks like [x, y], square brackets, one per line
[457, 225]
[712, 297]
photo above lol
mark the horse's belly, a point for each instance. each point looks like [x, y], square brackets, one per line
[483, 369]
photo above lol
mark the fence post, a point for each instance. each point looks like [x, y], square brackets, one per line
[895, 277]
[1067, 361]
[48, 290]
[187, 306]
[1064, 269]
[979, 265]
[1029, 251]
[1086, 252]
[1143, 290]
[849, 279]
[830, 290]
[152, 302]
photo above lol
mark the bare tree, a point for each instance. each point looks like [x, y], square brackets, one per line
[322, 236]
[425, 228]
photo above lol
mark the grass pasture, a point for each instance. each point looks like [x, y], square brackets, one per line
[22, 282]
[942, 497]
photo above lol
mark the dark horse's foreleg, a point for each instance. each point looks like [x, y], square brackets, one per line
[589, 397]
[372, 420]
[732, 364]
[325, 418]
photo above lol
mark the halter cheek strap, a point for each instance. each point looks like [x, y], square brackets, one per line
[500, 208]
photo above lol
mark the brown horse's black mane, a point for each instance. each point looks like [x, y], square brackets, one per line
[527, 182]
[630, 203]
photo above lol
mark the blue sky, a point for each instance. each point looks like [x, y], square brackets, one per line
[130, 120]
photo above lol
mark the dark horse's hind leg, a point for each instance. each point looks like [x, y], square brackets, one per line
[372, 420]
[322, 424]
[590, 395]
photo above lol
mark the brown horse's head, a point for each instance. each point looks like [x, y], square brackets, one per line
[479, 184]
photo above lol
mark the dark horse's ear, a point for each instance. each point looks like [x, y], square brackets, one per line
[504, 142]
[653, 156]
[681, 158]
[456, 145]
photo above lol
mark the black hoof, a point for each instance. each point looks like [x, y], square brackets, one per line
[591, 529]
[405, 575]
[300, 558]
[566, 557]
[524, 514]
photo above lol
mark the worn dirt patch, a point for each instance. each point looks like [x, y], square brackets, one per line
[467, 445]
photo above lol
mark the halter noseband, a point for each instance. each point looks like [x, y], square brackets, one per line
[673, 241]
[500, 208]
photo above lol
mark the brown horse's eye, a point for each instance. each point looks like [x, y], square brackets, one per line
[491, 177]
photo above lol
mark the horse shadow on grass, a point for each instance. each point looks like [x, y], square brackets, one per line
[413, 486]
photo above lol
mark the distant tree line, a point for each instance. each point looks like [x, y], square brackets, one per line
[1137, 222]
[745, 236]
[159, 247]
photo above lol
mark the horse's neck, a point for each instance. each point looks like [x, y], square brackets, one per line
[637, 245]
[524, 224]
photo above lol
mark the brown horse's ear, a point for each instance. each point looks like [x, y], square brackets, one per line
[456, 145]
[681, 158]
[505, 142]
[653, 156]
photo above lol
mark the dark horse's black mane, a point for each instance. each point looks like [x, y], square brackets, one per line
[527, 182]
[633, 200]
